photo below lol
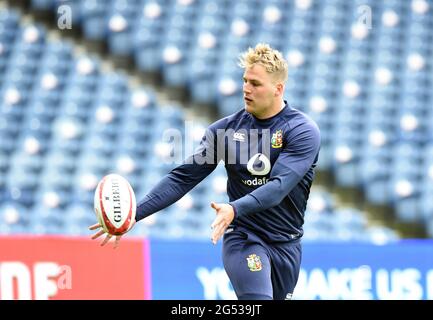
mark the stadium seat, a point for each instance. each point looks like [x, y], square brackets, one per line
[368, 89]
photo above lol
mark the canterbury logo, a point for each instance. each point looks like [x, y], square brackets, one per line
[265, 167]
[237, 136]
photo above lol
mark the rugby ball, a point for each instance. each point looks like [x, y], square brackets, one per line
[115, 204]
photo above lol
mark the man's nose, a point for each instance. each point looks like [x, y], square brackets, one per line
[246, 88]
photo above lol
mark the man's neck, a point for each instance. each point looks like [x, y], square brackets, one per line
[275, 110]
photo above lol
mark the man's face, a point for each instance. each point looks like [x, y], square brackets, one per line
[259, 90]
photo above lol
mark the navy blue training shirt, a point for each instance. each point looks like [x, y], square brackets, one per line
[270, 167]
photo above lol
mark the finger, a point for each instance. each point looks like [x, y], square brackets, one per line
[117, 241]
[95, 226]
[219, 229]
[214, 205]
[215, 237]
[98, 234]
[217, 233]
[107, 238]
[216, 222]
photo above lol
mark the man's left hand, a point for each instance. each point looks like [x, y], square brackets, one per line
[225, 215]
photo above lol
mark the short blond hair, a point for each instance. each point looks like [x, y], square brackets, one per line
[271, 59]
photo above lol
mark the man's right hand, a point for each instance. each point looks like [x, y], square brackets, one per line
[107, 237]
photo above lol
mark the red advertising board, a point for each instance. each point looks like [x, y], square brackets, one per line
[55, 267]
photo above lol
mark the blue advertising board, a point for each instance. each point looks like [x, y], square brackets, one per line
[188, 270]
[402, 270]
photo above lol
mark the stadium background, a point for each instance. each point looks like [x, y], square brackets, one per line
[89, 87]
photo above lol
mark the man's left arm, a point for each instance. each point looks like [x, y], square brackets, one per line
[292, 164]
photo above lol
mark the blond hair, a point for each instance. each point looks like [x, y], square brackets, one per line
[271, 59]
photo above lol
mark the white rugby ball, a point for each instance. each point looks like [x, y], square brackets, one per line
[115, 204]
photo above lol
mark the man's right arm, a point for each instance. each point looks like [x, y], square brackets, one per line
[181, 179]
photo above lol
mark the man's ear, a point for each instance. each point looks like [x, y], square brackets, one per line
[279, 89]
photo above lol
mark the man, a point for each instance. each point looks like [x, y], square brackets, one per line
[270, 151]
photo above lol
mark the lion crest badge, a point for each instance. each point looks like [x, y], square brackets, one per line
[254, 262]
[277, 139]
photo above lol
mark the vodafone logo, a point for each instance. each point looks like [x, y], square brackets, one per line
[258, 165]
[264, 168]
